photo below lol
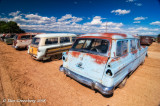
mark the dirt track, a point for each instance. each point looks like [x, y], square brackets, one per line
[24, 78]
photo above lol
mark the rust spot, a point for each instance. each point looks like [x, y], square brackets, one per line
[114, 53]
[115, 59]
[135, 51]
[143, 46]
[99, 59]
[112, 34]
[124, 55]
[75, 54]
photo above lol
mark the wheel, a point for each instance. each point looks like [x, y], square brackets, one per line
[142, 62]
[56, 57]
[122, 84]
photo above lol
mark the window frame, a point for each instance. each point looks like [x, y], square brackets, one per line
[122, 54]
[64, 42]
[51, 43]
[131, 46]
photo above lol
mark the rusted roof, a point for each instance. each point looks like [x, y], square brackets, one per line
[109, 35]
[26, 34]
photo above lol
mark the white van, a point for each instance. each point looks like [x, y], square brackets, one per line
[50, 46]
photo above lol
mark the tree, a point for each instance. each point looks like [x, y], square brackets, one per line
[10, 27]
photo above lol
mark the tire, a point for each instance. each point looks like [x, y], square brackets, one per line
[56, 57]
[122, 84]
[142, 62]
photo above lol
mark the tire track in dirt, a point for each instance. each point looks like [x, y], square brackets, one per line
[8, 90]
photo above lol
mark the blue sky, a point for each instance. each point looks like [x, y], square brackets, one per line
[84, 16]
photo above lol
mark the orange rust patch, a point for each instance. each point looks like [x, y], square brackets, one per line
[135, 51]
[98, 59]
[124, 55]
[75, 54]
[143, 46]
[115, 59]
[112, 34]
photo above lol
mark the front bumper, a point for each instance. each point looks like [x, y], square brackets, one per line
[93, 84]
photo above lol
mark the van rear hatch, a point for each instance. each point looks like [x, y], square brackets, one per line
[34, 46]
[33, 50]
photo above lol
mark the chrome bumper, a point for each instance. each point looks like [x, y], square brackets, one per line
[93, 84]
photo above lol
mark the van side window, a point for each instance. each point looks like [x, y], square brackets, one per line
[64, 39]
[25, 37]
[51, 41]
[133, 45]
[122, 48]
[73, 39]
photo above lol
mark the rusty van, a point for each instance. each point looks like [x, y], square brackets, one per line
[103, 61]
[50, 45]
[22, 40]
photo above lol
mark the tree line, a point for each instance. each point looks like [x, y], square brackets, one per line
[10, 27]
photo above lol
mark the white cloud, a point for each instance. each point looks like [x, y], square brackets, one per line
[96, 20]
[120, 11]
[140, 18]
[69, 23]
[130, 0]
[155, 23]
[14, 13]
[137, 22]
[138, 4]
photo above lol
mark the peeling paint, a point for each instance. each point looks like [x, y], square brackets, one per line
[75, 54]
[99, 59]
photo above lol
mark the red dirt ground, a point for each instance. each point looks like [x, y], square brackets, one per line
[23, 78]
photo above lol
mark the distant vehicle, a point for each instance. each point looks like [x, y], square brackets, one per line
[158, 38]
[22, 40]
[9, 38]
[2, 36]
[146, 40]
[50, 46]
[103, 61]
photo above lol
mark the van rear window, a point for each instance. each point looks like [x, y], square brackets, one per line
[25, 37]
[35, 41]
[91, 45]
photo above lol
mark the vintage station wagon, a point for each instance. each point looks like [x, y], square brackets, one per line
[103, 61]
[9, 39]
[23, 40]
[50, 46]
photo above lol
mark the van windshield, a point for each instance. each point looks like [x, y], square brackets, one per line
[35, 41]
[91, 45]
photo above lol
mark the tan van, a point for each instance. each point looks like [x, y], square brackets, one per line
[22, 40]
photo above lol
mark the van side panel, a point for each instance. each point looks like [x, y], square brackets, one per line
[57, 50]
[121, 66]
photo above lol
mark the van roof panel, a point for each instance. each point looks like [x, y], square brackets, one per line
[49, 35]
[109, 35]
